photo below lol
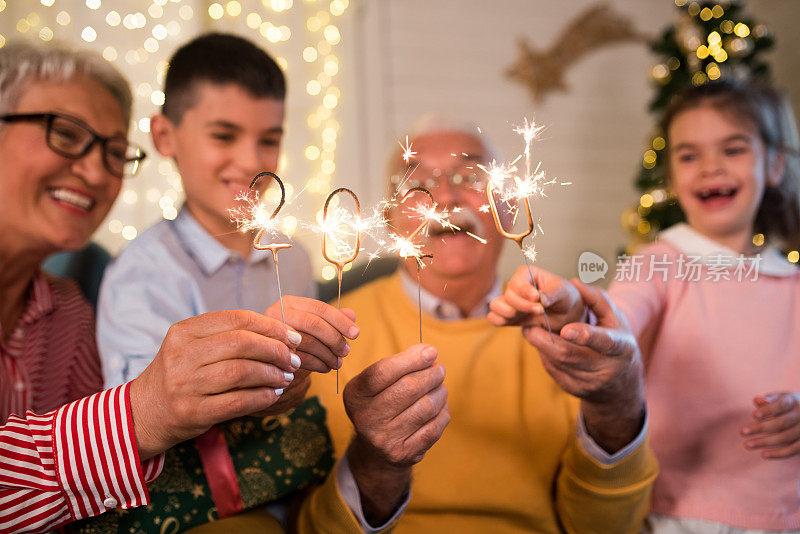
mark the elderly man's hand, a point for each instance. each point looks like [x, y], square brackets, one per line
[601, 365]
[209, 369]
[325, 331]
[522, 305]
[398, 407]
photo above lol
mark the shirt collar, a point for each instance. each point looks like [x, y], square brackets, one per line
[209, 253]
[443, 309]
[40, 301]
[689, 241]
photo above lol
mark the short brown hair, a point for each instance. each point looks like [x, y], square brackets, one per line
[219, 58]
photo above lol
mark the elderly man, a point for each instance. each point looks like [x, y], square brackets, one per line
[540, 440]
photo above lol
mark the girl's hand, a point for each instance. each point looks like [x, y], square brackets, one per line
[777, 427]
[522, 305]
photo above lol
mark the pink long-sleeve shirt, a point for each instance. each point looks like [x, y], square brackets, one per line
[713, 338]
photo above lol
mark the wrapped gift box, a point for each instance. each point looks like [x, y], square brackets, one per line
[273, 458]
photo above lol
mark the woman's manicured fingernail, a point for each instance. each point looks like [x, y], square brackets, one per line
[294, 337]
[339, 363]
[279, 392]
[288, 376]
[346, 349]
[746, 431]
[354, 331]
[295, 359]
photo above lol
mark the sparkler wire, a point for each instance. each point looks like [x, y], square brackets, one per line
[419, 257]
[340, 263]
[273, 247]
[518, 238]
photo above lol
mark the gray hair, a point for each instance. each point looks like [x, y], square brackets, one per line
[439, 122]
[431, 123]
[22, 63]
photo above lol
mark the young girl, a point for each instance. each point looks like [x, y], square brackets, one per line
[715, 316]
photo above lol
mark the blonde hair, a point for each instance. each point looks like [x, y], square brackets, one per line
[771, 115]
[22, 63]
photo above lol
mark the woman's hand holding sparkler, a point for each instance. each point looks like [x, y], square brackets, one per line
[325, 331]
[293, 395]
[398, 406]
[522, 305]
[209, 369]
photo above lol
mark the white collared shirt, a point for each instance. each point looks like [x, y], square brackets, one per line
[442, 309]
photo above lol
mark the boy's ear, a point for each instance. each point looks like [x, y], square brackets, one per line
[163, 133]
[776, 165]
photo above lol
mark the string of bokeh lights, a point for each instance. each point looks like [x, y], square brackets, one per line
[140, 37]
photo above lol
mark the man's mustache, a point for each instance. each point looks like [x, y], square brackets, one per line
[464, 217]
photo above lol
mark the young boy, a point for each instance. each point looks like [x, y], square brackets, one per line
[222, 123]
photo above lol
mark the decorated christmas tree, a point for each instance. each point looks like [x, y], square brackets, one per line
[710, 40]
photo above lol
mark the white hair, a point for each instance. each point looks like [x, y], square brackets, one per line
[22, 63]
[439, 122]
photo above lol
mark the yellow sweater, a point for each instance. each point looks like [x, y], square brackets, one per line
[509, 461]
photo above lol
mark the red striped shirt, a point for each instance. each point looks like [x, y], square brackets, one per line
[51, 356]
[80, 459]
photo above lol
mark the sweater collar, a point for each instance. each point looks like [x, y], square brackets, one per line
[689, 241]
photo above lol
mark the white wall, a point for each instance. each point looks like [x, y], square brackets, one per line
[451, 55]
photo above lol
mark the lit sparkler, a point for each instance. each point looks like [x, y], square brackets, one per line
[530, 184]
[337, 225]
[258, 219]
[405, 246]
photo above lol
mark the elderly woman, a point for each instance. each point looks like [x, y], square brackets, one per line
[63, 154]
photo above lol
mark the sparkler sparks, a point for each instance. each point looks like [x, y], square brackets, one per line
[406, 246]
[477, 238]
[254, 216]
[407, 152]
[505, 182]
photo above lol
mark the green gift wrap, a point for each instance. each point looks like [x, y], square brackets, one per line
[273, 457]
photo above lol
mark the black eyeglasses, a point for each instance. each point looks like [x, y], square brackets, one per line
[72, 138]
[466, 176]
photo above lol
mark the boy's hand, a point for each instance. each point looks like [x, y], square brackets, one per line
[777, 426]
[398, 406]
[325, 331]
[209, 369]
[522, 305]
